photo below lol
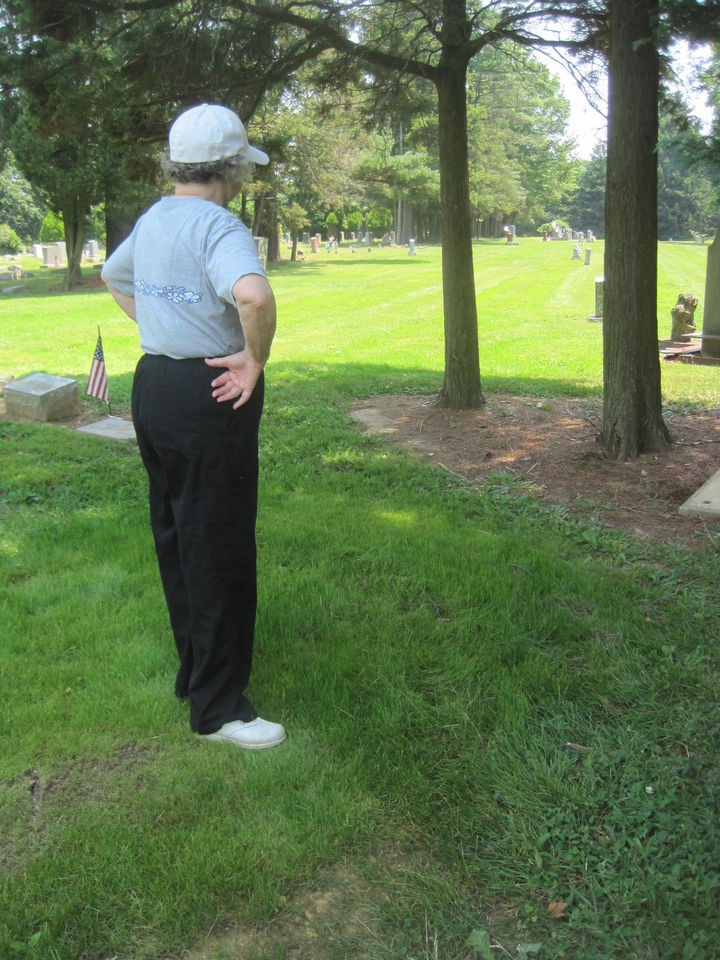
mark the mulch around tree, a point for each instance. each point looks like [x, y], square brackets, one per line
[551, 445]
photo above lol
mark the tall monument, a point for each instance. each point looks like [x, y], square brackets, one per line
[711, 307]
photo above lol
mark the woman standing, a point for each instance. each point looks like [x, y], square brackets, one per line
[190, 276]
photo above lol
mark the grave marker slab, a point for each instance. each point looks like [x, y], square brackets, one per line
[705, 502]
[42, 396]
[114, 428]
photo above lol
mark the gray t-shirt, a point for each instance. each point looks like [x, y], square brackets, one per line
[180, 264]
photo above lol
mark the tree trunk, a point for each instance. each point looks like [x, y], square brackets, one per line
[117, 227]
[632, 412]
[75, 215]
[273, 228]
[259, 213]
[461, 387]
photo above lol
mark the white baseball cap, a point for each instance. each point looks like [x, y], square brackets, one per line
[210, 132]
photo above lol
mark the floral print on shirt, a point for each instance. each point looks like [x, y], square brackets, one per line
[167, 292]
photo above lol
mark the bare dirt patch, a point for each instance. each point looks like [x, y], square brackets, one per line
[311, 925]
[551, 445]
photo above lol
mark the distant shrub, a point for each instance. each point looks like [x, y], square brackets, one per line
[10, 242]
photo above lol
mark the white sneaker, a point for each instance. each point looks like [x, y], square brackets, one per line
[258, 734]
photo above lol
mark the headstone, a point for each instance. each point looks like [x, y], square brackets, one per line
[599, 295]
[577, 252]
[37, 251]
[711, 307]
[93, 251]
[42, 396]
[342, 236]
[314, 244]
[683, 316]
[54, 254]
[352, 236]
[588, 251]
[411, 248]
[261, 245]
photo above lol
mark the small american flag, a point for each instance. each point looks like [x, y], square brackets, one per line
[97, 385]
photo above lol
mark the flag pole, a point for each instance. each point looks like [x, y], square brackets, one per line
[108, 399]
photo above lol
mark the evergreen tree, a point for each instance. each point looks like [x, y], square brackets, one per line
[688, 180]
[587, 206]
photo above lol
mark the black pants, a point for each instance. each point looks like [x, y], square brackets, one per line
[201, 458]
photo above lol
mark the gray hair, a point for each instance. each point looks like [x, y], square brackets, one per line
[229, 170]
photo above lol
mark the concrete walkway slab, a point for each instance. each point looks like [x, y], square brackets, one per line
[115, 428]
[705, 502]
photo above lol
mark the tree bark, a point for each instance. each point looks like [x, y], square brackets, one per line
[461, 388]
[273, 229]
[75, 215]
[632, 410]
[117, 227]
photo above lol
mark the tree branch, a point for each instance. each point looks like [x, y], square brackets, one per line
[335, 39]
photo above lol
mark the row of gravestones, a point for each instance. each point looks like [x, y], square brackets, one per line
[55, 254]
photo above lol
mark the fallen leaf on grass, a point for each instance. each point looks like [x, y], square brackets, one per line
[557, 909]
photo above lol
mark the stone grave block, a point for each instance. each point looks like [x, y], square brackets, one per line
[42, 396]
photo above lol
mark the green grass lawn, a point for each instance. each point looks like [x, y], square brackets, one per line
[491, 705]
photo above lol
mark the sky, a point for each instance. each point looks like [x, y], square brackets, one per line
[588, 124]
